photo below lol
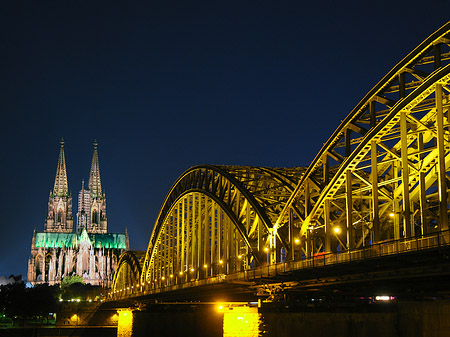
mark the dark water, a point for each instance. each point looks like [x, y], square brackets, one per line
[411, 319]
[243, 321]
[220, 321]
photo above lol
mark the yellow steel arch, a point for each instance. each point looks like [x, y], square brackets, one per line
[218, 219]
[128, 272]
[383, 173]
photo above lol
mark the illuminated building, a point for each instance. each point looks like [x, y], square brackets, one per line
[90, 251]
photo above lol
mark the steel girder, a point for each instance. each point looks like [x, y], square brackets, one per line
[218, 217]
[383, 173]
[128, 272]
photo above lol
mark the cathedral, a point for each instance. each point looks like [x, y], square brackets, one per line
[90, 251]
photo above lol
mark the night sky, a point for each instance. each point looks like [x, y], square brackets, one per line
[166, 85]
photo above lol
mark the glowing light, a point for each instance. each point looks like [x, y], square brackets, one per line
[297, 241]
[171, 275]
[163, 278]
[181, 273]
[205, 266]
[125, 323]
[239, 257]
[241, 321]
[115, 318]
[74, 318]
[337, 229]
[220, 307]
[192, 270]
[60, 299]
[220, 261]
[384, 298]
[391, 215]
[266, 249]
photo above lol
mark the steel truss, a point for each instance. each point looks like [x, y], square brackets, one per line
[382, 175]
[215, 220]
[129, 269]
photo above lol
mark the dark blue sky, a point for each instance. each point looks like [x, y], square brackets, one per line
[166, 85]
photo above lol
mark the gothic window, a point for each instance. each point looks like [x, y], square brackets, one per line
[59, 216]
[94, 217]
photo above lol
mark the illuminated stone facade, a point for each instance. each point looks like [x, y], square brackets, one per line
[90, 251]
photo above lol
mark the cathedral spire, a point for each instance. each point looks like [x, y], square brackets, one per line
[61, 187]
[95, 186]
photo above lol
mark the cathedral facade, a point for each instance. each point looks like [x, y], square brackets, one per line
[89, 251]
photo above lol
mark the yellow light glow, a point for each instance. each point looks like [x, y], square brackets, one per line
[391, 215]
[337, 229]
[171, 275]
[241, 321]
[205, 266]
[266, 249]
[125, 323]
[163, 278]
[220, 261]
[192, 270]
[239, 257]
[181, 273]
[297, 241]
[115, 318]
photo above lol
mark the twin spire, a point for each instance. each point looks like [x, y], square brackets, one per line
[61, 186]
[95, 185]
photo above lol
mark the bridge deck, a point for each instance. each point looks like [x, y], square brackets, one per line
[395, 261]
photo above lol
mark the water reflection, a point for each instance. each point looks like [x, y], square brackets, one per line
[125, 323]
[242, 322]
[226, 320]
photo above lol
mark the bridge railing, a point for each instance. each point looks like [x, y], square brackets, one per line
[391, 247]
[385, 248]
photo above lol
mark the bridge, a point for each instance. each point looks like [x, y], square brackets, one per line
[372, 205]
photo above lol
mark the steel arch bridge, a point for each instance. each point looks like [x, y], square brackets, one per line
[382, 175]
[129, 269]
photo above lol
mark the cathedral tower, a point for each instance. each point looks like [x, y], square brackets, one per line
[89, 252]
[97, 222]
[59, 216]
[84, 208]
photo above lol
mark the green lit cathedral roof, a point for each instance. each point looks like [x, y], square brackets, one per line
[58, 240]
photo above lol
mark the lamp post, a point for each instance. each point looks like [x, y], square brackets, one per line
[205, 268]
[220, 266]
